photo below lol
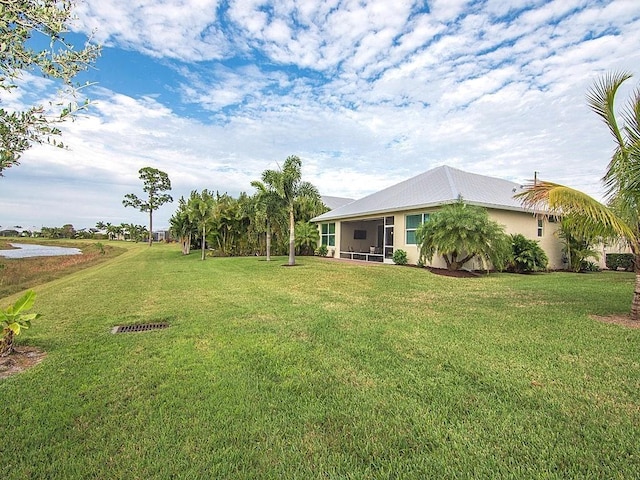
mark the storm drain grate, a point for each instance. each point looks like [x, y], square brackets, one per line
[141, 327]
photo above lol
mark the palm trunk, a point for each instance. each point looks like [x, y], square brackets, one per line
[292, 238]
[268, 241]
[635, 303]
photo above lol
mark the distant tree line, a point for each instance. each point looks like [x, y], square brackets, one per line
[102, 230]
[274, 220]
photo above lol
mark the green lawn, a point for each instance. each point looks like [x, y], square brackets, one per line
[323, 370]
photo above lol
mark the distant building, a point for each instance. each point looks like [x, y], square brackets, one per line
[161, 236]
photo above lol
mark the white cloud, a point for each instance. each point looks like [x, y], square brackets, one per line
[185, 29]
[366, 93]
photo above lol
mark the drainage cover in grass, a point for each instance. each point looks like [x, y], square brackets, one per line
[141, 327]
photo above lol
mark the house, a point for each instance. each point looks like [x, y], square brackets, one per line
[373, 227]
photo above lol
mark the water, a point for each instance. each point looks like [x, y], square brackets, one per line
[26, 250]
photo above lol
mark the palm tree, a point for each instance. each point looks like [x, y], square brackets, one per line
[460, 232]
[122, 231]
[269, 205]
[621, 217]
[201, 208]
[287, 185]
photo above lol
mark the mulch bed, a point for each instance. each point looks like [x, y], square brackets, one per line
[455, 273]
[21, 359]
[621, 320]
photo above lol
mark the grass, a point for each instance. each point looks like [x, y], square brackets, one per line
[325, 370]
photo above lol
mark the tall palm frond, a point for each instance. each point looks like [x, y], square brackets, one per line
[589, 217]
[623, 172]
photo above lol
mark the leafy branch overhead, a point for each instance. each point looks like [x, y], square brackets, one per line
[22, 22]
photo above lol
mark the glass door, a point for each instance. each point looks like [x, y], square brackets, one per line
[388, 237]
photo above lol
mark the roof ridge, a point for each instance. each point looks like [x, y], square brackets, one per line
[455, 192]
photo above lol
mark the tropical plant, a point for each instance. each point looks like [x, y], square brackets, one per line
[460, 232]
[577, 249]
[400, 257]
[137, 233]
[287, 186]
[231, 222]
[621, 217]
[322, 251]
[110, 229]
[13, 319]
[154, 183]
[22, 21]
[307, 237]
[181, 226]
[201, 210]
[120, 231]
[308, 207]
[526, 255]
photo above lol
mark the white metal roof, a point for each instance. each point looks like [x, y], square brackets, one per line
[438, 186]
[335, 202]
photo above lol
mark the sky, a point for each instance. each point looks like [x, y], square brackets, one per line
[366, 92]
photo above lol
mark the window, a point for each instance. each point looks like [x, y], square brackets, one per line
[329, 234]
[540, 227]
[412, 222]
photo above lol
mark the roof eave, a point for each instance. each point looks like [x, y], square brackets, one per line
[326, 216]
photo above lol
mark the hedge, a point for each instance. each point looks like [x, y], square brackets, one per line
[614, 261]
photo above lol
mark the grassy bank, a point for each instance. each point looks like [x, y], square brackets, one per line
[19, 274]
[323, 370]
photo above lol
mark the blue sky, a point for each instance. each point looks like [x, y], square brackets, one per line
[366, 93]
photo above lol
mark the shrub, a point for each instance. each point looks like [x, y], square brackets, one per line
[526, 255]
[322, 251]
[400, 257]
[614, 261]
[587, 266]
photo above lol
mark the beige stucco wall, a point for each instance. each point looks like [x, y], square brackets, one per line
[514, 222]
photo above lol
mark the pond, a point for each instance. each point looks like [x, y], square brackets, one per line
[26, 250]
